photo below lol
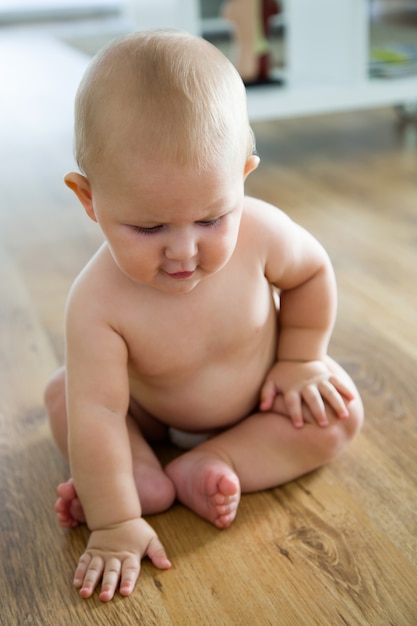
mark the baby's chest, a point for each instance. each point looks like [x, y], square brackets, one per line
[216, 329]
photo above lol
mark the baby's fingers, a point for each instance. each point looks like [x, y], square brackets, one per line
[130, 574]
[111, 577]
[294, 408]
[333, 397]
[313, 399]
[88, 574]
[342, 388]
[156, 552]
[268, 394]
[127, 572]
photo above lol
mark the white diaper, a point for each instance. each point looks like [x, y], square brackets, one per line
[185, 440]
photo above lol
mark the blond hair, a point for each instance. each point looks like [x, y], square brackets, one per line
[172, 94]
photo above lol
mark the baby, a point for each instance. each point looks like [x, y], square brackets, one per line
[204, 317]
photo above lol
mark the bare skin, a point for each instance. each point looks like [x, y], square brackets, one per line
[190, 251]
[213, 493]
[261, 450]
[173, 322]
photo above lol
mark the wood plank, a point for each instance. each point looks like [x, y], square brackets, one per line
[303, 541]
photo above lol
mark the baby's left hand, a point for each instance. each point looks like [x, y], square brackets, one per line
[310, 382]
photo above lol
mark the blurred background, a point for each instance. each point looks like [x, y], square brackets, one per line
[328, 56]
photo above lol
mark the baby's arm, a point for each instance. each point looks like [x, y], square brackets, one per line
[301, 269]
[100, 456]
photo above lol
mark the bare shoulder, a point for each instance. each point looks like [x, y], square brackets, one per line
[288, 248]
[95, 289]
[267, 225]
[257, 211]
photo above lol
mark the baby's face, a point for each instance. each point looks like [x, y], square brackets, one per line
[169, 227]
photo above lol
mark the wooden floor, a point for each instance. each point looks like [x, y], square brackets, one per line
[338, 546]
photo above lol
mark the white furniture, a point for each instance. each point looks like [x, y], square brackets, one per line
[327, 51]
[326, 57]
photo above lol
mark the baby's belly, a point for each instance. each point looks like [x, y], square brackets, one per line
[209, 375]
[213, 398]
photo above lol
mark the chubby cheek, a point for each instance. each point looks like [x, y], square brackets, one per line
[217, 252]
[135, 261]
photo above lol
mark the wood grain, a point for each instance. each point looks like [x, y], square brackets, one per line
[335, 547]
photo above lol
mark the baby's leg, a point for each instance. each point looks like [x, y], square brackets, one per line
[262, 451]
[156, 491]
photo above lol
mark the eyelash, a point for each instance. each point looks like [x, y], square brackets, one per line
[211, 223]
[146, 231]
[156, 229]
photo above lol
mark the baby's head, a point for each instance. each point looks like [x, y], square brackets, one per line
[161, 94]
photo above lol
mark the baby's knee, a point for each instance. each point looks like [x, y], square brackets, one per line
[54, 394]
[353, 424]
[55, 403]
[338, 435]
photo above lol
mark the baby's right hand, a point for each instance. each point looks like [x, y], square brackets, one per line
[308, 384]
[114, 555]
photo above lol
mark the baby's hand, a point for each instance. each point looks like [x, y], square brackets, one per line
[310, 382]
[114, 555]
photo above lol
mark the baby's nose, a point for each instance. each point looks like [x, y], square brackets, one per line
[181, 247]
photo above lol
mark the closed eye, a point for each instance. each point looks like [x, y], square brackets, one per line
[210, 223]
[151, 230]
[142, 230]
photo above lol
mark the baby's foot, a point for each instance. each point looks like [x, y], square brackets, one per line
[206, 485]
[68, 507]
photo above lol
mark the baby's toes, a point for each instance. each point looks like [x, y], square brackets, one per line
[61, 506]
[64, 510]
[228, 486]
[226, 510]
[65, 519]
[66, 490]
[224, 520]
[76, 511]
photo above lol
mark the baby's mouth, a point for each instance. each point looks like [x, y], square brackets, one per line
[180, 275]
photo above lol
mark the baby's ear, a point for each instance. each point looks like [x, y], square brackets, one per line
[251, 164]
[81, 187]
